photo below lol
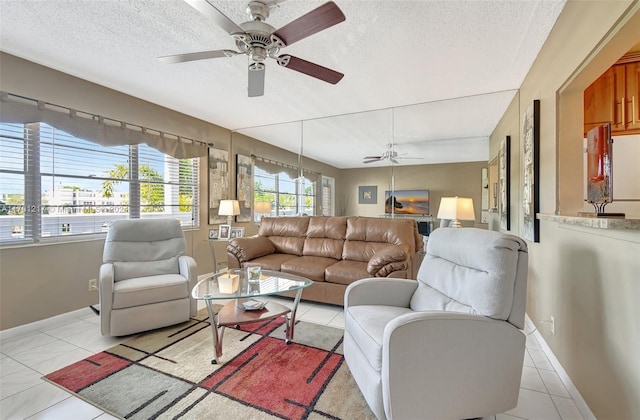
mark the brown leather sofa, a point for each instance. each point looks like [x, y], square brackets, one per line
[332, 251]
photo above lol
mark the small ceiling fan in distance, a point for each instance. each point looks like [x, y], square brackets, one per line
[259, 40]
[390, 154]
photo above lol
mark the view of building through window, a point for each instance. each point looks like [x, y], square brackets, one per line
[53, 184]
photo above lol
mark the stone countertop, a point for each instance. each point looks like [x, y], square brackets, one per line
[593, 222]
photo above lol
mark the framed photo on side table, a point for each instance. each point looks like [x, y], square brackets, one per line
[237, 232]
[224, 232]
[213, 233]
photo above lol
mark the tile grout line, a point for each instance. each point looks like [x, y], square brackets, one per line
[582, 406]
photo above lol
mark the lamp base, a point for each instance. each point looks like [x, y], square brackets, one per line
[455, 223]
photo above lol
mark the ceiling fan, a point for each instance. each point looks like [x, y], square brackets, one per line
[390, 154]
[259, 40]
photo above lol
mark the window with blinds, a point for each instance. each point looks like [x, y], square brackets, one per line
[288, 194]
[54, 185]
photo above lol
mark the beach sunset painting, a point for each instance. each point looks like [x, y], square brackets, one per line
[407, 202]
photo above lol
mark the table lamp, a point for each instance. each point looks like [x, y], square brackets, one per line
[229, 208]
[456, 209]
[262, 208]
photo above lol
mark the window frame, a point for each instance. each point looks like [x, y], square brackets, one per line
[35, 202]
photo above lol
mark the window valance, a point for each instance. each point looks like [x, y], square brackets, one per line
[95, 128]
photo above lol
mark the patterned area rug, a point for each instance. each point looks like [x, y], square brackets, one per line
[167, 373]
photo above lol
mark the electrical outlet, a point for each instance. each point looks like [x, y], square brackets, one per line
[93, 285]
[553, 325]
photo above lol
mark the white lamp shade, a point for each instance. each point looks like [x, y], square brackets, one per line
[263, 207]
[229, 208]
[456, 208]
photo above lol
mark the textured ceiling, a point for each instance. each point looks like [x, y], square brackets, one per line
[449, 68]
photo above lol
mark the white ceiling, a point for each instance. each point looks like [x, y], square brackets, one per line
[449, 68]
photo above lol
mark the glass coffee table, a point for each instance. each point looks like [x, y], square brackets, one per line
[235, 285]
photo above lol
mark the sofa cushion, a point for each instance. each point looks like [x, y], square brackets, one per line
[480, 277]
[146, 290]
[361, 250]
[389, 231]
[310, 267]
[327, 227]
[286, 233]
[288, 245]
[284, 226]
[346, 272]
[132, 269]
[323, 247]
[269, 262]
[366, 325]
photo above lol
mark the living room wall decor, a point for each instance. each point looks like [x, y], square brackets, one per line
[531, 156]
[504, 182]
[244, 190]
[218, 183]
[368, 194]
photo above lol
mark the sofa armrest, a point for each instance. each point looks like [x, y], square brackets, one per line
[434, 355]
[387, 260]
[380, 291]
[188, 270]
[249, 248]
[106, 278]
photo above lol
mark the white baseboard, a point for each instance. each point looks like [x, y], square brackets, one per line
[54, 320]
[571, 388]
[44, 323]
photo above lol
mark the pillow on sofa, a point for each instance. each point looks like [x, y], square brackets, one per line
[246, 249]
[388, 259]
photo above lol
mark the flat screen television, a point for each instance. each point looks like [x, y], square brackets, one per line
[407, 202]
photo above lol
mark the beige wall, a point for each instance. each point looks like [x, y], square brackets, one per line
[588, 279]
[442, 180]
[40, 281]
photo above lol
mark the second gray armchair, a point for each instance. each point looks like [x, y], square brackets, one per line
[450, 345]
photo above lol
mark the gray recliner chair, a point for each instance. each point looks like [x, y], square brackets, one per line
[450, 345]
[146, 278]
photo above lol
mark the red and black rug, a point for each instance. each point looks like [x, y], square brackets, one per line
[168, 373]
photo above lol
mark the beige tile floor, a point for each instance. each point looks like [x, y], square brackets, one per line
[27, 353]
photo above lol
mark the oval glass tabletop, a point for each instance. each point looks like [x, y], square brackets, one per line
[236, 285]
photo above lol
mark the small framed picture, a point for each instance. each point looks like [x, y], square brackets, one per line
[213, 233]
[224, 232]
[237, 232]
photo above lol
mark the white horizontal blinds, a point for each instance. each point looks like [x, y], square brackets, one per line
[83, 185]
[168, 186]
[14, 155]
[280, 185]
[55, 185]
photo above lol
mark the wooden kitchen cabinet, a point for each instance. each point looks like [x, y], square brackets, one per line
[615, 98]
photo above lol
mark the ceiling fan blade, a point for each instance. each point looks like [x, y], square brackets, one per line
[256, 80]
[371, 160]
[310, 69]
[393, 160]
[202, 55]
[211, 12]
[372, 157]
[317, 20]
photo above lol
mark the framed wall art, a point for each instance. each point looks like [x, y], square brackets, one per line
[218, 183]
[368, 194]
[531, 168]
[504, 182]
[244, 184]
